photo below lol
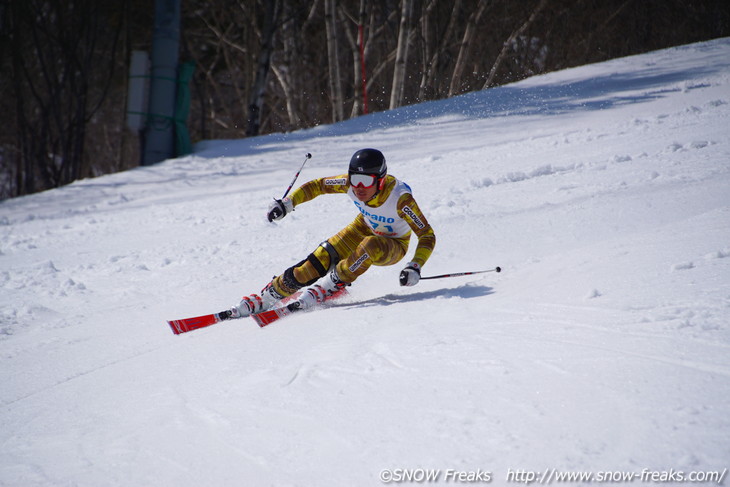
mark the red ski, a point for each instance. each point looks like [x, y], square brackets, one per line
[288, 305]
[189, 324]
[267, 317]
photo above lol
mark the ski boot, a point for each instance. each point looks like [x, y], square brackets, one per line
[255, 303]
[319, 293]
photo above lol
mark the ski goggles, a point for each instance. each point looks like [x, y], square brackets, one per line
[363, 180]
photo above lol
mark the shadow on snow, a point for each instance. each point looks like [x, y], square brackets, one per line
[465, 292]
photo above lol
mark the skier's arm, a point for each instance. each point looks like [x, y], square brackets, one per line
[408, 210]
[317, 187]
[307, 191]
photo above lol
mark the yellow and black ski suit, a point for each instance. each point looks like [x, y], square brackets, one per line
[379, 235]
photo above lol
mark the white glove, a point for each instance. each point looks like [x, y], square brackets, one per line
[410, 275]
[279, 208]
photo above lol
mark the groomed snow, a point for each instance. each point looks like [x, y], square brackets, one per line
[602, 191]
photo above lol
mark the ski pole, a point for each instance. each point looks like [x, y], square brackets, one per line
[306, 158]
[457, 274]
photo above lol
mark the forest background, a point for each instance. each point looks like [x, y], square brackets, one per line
[264, 66]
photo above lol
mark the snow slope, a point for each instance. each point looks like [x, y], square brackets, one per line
[604, 345]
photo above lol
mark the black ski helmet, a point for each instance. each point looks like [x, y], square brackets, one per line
[368, 161]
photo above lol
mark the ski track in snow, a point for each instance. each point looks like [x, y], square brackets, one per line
[604, 345]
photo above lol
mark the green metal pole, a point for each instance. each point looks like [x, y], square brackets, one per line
[159, 143]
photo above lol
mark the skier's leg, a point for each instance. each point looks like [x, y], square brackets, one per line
[343, 244]
[346, 255]
[372, 250]
[304, 273]
[322, 260]
[308, 271]
[356, 249]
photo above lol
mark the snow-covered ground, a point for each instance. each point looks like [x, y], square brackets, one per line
[604, 345]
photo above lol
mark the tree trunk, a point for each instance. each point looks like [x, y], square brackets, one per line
[508, 43]
[431, 63]
[256, 100]
[361, 86]
[60, 82]
[455, 85]
[401, 56]
[286, 76]
[330, 19]
[427, 46]
[356, 42]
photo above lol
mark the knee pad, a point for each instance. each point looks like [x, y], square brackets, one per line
[313, 267]
[334, 256]
[325, 253]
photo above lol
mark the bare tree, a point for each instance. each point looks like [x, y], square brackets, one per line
[284, 71]
[227, 50]
[356, 40]
[401, 56]
[272, 10]
[455, 85]
[510, 41]
[427, 44]
[63, 64]
[435, 48]
[378, 53]
[330, 19]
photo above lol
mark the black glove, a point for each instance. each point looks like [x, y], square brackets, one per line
[279, 208]
[410, 275]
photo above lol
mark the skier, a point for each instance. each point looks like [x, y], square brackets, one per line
[379, 235]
